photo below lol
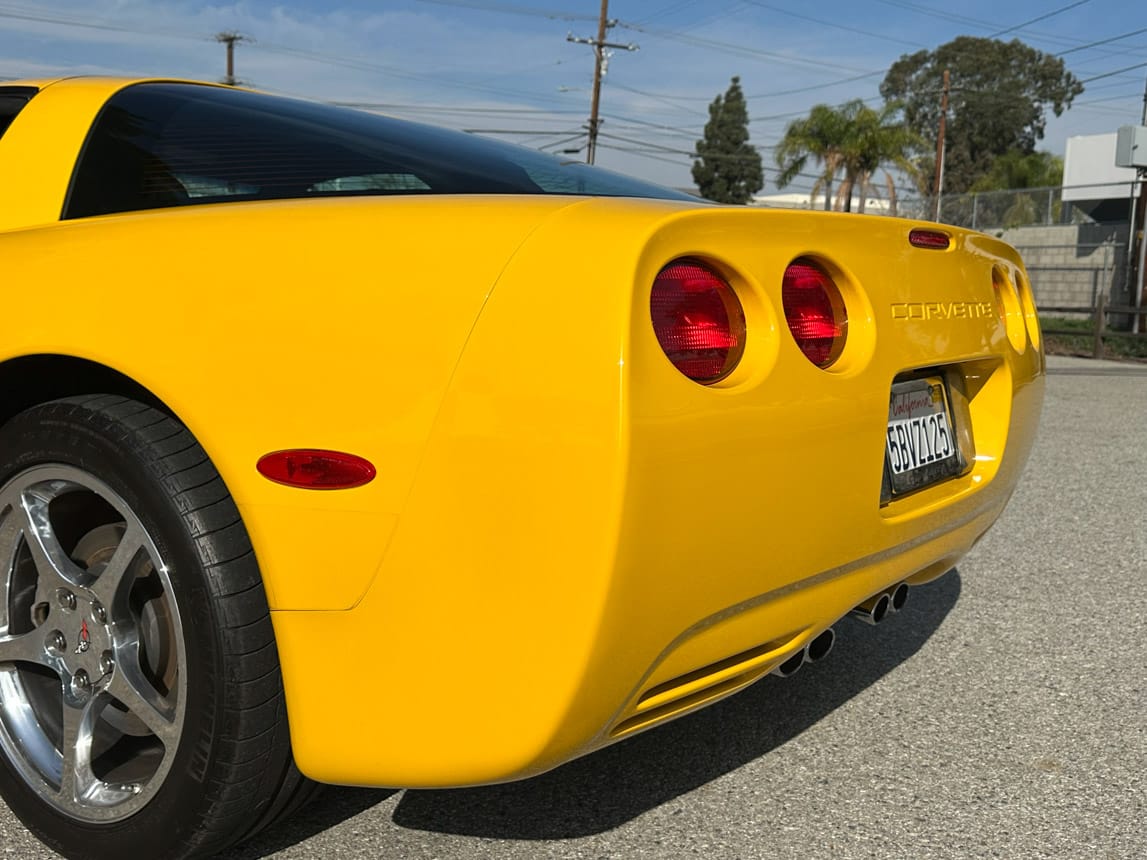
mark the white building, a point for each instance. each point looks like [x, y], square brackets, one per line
[1093, 183]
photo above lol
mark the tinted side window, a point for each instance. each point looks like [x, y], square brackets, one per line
[12, 101]
[157, 145]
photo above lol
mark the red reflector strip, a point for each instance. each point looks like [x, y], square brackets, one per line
[932, 239]
[313, 469]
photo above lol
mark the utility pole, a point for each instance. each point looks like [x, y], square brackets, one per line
[1141, 220]
[229, 38]
[938, 184]
[601, 61]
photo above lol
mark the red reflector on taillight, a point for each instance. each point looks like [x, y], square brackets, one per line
[937, 240]
[698, 320]
[312, 469]
[815, 312]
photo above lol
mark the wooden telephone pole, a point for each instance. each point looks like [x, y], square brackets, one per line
[601, 60]
[938, 184]
[229, 38]
[1140, 220]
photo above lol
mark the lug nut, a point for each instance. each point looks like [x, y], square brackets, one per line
[107, 663]
[99, 613]
[56, 643]
[67, 599]
[81, 683]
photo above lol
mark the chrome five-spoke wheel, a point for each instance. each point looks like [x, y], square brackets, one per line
[92, 661]
[142, 711]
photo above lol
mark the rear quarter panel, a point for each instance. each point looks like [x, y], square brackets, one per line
[328, 324]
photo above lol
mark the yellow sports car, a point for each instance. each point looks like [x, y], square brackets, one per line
[335, 448]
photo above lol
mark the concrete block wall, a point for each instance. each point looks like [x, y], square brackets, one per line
[1071, 264]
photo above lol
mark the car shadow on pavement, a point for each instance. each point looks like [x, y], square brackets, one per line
[330, 808]
[615, 785]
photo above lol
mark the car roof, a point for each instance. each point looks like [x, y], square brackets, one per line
[110, 82]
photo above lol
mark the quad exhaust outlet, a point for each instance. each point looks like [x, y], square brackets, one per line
[817, 649]
[878, 607]
[872, 611]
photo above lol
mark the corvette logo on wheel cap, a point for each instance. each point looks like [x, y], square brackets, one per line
[85, 638]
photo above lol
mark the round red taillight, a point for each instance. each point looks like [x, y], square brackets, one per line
[312, 469]
[698, 320]
[815, 312]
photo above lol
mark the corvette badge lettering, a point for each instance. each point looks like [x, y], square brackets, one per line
[942, 310]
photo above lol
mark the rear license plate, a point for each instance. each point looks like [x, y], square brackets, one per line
[920, 446]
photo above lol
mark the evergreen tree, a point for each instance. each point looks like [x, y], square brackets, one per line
[728, 169]
[1015, 169]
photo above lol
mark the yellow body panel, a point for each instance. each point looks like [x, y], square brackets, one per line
[567, 539]
[593, 525]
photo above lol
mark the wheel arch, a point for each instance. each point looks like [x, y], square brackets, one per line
[281, 532]
[30, 380]
[207, 761]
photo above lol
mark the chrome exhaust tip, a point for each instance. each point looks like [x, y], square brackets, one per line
[898, 597]
[820, 646]
[791, 666]
[874, 610]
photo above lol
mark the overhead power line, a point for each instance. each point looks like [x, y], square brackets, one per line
[1112, 74]
[522, 131]
[19, 14]
[667, 11]
[666, 99]
[964, 20]
[1103, 41]
[424, 108]
[821, 22]
[1038, 18]
[507, 9]
[742, 50]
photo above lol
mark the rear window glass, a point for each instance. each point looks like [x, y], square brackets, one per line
[12, 101]
[157, 145]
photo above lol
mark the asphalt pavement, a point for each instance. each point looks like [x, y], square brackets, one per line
[1003, 714]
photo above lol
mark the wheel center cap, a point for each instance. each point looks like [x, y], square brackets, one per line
[89, 656]
[84, 640]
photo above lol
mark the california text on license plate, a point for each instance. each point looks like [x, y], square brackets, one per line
[920, 446]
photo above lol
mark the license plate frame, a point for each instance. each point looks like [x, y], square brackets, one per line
[921, 443]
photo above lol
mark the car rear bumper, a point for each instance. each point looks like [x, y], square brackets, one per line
[522, 639]
[373, 702]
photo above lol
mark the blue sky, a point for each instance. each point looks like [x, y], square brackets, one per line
[507, 69]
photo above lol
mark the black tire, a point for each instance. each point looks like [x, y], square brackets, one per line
[136, 649]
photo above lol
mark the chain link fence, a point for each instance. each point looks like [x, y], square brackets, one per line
[980, 210]
[1007, 209]
[997, 210]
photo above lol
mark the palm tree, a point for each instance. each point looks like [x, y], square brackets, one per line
[874, 138]
[821, 137]
[854, 139]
